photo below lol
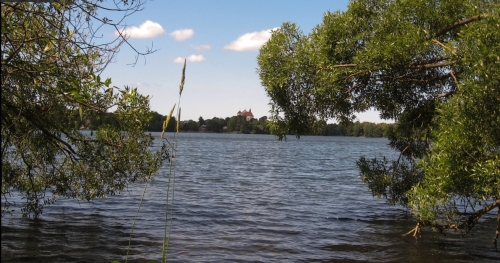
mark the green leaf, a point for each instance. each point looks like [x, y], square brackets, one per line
[48, 47]
[80, 99]
[74, 92]
[107, 82]
[80, 110]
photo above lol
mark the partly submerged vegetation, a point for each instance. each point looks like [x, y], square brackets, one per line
[51, 84]
[433, 67]
[51, 80]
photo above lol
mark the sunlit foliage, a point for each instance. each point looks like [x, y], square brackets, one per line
[52, 56]
[433, 67]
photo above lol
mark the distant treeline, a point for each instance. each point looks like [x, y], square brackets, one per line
[155, 125]
[238, 124]
[357, 129]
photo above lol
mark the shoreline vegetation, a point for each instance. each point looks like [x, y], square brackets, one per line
[239, 125]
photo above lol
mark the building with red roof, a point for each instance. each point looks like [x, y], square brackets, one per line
[247, 114]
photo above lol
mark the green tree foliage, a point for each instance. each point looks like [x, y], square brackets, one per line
[108, 118]
[156, 123]
[356, 129]
[334, 130]
[201, 121]
[215, 124]
[234, 123]
[260, 126]
[190, 126]
[51, 62]
[239, 124]
[433, 67]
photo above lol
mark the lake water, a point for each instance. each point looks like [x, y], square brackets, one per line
[246, 198]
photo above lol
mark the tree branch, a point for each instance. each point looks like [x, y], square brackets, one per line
[468, 224]
[45, 131]
[444, 46]
[460, 23]
[472, 220]
[428, 66]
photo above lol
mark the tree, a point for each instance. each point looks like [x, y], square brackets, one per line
[433, 66]
[201, 121]
[215, 124]
[235, 124]
[190, 126]
[156, 123]
[262, 126]
[355, 129]
[372, 130]
[51, 61]
[232, 124]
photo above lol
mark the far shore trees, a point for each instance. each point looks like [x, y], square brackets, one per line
[238, 124]
[434, 67]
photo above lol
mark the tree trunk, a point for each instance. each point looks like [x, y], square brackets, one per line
[498, 230]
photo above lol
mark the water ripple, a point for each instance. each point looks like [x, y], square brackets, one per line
[245, 198]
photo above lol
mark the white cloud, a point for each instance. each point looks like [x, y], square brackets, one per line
[201, 47]
[148, 29]
[182, 34]
[250, 41]
[141, 84]
[192, 58]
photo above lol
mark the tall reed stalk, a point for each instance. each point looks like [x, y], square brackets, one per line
[172, 170]
[169, 202]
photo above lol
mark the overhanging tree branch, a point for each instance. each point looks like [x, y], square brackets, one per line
[460, 23]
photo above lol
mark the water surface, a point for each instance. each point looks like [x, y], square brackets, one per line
[246, 198]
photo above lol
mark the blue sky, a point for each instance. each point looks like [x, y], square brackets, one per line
[221, 39]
